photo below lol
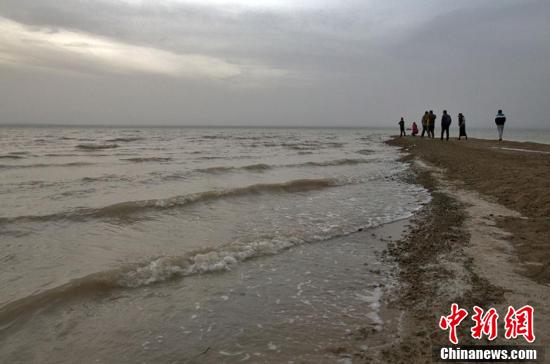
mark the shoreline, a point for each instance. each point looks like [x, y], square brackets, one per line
[463, 247]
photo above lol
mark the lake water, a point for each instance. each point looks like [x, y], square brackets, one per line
[161, 244]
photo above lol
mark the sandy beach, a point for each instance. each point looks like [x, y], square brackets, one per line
[482, 241]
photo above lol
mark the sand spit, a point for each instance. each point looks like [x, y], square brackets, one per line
[460, 249]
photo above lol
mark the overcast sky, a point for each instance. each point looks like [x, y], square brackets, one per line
[273, 62]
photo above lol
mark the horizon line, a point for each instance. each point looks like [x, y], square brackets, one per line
[236, 126]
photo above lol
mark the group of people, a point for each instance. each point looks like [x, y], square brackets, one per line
[428, 125]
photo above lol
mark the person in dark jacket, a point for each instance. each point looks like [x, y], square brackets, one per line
[500, 119]
[402, 128]
[425, 120]
[462, 126]
[431, 124]
[445, 124]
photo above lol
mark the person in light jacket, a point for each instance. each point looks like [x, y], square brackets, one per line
[425, 120]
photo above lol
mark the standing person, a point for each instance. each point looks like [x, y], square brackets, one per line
[414, 129]
[431, 123]
[425, 119]
[500, 119]
[462, 126]
[445, 124]
[402, 128]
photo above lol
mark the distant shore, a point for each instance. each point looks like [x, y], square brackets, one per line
[483, 240]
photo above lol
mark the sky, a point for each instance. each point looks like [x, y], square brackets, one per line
[273, 62]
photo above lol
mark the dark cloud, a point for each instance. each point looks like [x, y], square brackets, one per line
[334, 63]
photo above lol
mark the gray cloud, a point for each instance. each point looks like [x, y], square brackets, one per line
[324, 63]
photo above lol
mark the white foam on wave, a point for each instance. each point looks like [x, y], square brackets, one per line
[165, 268]
[225, 257]
[373, 298]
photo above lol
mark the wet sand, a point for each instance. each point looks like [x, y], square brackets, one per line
[482, 241]
[513, 174]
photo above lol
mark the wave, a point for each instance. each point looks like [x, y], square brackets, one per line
[11, 156]
[365, 151]
[333, 144]
[215, 137]
[129, 208]
[92, 179]
[296, 146]
[176, 176]
[250, 137]
[211, 157]
[148, 159]
[338, 162]
[96, 146]
[125, 139]
[311, 145]
[19, 153]
[157, 270]
[264, 167]
[39, 165]
[132, 276]
[109, 177]
[251, 167]
[257, 167]
[61, 155]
